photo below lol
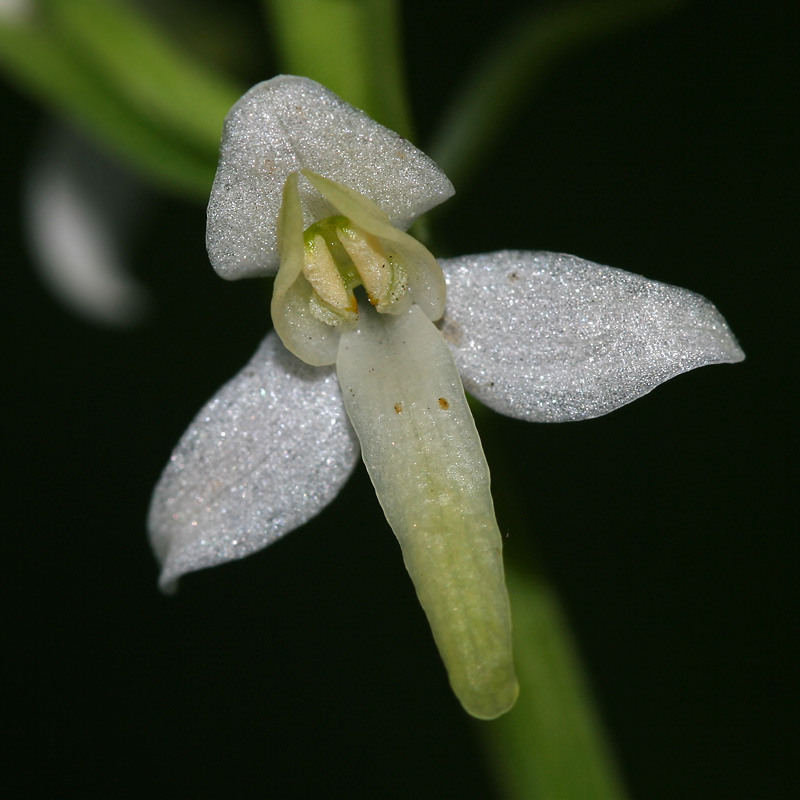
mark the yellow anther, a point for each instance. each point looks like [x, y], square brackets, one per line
[383, 276]
[322, 272]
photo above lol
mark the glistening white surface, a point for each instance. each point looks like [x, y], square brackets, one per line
[288, 123]
[269, 451]
[549, 337]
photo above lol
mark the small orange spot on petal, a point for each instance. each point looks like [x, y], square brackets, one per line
[443, 403]
[398, 407]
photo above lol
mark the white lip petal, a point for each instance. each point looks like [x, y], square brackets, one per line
[289, 123]
[548, 337]
[423, 454]
[269, 451]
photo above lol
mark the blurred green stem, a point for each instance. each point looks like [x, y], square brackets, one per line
[350, 46]
[551, 745]
[515, 64]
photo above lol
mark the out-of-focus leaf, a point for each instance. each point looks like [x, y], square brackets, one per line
[350, 46]
[149, 71]
[36, 55]
[515, 64]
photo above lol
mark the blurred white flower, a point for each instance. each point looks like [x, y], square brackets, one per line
[16, 10]
[80, 209]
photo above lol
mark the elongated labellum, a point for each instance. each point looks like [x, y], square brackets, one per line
[422, 451]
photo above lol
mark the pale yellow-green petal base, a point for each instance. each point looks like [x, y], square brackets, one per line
[419, 443]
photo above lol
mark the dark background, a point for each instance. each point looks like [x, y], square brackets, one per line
[308, 669]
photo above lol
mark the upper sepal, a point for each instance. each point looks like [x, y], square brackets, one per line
[269, 451]
[290, 123]
[549, 337]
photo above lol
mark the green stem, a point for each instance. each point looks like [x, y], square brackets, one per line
[551, 745]
[350, 46]
[515, 65]
[354, 48]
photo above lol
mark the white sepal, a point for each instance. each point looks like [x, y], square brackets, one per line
[423, 454]
[289, 123]
[267, 453]
[548, 337]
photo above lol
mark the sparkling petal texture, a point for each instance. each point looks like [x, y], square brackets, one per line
[423, 454]
[288, 123]
[269, 451]
[548, 337]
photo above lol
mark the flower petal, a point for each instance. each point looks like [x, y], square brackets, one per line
[548, 337]
[289, 123]
[269, 451]
[421, 449]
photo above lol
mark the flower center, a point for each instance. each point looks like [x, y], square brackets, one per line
[338, 256]
[313, 301]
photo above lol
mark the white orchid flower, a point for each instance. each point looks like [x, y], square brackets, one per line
[313, 189]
